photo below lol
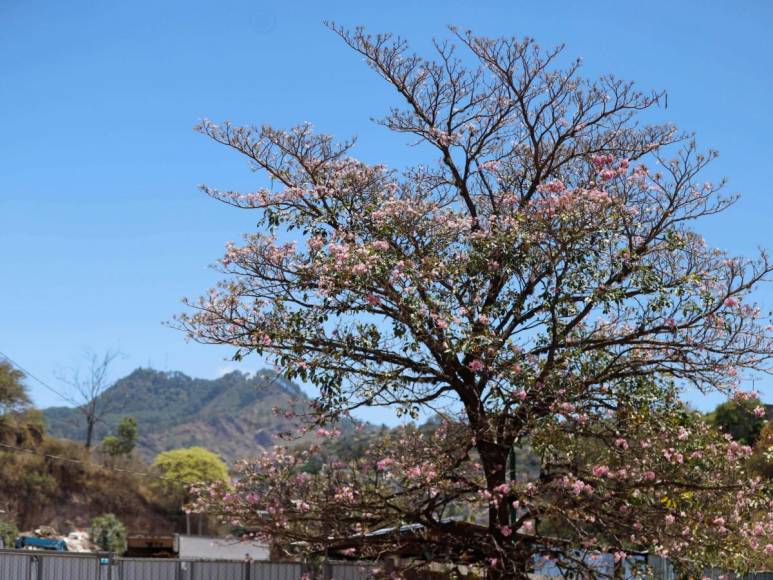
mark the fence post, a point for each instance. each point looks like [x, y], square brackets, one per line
[247, 570]
[327, 570]
[105, 562]
[39, 566]
[33, 568]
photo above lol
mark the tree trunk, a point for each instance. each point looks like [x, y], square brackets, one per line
[514, 561]
[494, 461]
[89, 431]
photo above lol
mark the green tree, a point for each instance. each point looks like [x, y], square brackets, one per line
[13, 396]
[107, 532]
[125, 439]
[181, 468]
[762, 460]
[8, 533]
[739, 420]
[20, 424]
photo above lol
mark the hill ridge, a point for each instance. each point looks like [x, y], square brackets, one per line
[231, 415]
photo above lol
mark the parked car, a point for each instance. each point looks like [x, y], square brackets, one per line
[35, 543]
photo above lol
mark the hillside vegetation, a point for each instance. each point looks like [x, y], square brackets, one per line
[232, 416]
[50, 481]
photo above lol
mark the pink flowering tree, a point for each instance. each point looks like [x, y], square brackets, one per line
[541, 276]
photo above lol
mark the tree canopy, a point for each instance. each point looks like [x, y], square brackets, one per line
[181, 468]
[762, 461]
[107, 532]
[13, 395]
[534, 277]
[741, 419]
[123, 442]
[20, 423]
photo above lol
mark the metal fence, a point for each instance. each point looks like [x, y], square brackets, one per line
[32, 565]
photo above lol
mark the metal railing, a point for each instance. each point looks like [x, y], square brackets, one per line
[38, 565]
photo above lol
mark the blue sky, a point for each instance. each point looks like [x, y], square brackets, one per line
[102, 229]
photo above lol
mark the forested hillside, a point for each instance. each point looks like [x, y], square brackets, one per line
[232, 415]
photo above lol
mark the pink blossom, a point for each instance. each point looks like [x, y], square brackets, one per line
[621, 443]
[649, 475]
[608, 174]
[476, 365]
[730, 302]
[555, 186]
[600, 470]
[601, 161]
[506, 531]
[759, 411]
[442, 138]
[372, 299]
[382, 464]
[302, 506]
[414, 472]
[578, 487]
[768, 549]
[521, 395]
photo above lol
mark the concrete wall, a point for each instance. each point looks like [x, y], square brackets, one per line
[203, 547]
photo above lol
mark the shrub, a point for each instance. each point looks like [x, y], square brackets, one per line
[107, 532]
[124, 441]
[8, 533]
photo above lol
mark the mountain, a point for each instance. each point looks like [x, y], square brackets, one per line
[232, 415]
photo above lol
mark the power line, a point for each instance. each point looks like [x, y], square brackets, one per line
[82, 462]
[60, 457]
[36, 379]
